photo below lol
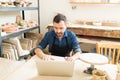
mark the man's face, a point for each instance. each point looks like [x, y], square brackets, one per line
[59, 28]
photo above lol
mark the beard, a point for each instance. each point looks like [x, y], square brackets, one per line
[60, 35]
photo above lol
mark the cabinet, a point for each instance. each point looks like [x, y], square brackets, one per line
[20, 31]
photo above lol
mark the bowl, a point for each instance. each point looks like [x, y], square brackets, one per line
[98, 75]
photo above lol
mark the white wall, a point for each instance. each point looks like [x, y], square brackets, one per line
[6, 17]
[48, 8]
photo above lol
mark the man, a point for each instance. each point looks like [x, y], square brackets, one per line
[60, 41]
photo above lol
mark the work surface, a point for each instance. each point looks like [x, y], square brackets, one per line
[28, 71]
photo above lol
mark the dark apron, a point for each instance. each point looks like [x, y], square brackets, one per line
[60, 51]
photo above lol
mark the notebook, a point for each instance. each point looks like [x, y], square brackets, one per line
[55, 68]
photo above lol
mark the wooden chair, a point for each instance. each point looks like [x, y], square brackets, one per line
[111, 50]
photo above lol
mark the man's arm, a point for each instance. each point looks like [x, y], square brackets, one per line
[76, 55]
[42, 55]
[39, 52]
[76, 48]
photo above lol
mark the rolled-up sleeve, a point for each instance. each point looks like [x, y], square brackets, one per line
[44, 42]
[75, 44]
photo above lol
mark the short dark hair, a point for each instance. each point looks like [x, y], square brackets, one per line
[59, 17]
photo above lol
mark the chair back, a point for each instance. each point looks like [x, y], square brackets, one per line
[111, 50]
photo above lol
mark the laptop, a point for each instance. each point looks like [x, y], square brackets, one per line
[55, 68]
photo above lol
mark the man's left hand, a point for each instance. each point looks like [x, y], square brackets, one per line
[70, 58]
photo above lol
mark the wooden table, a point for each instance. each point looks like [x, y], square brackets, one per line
[29, 72]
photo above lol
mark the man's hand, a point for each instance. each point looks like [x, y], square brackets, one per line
[70, 58]
[42, 55]
[46, 57]
[74, 57]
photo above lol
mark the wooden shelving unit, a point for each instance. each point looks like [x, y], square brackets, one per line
[21, 31]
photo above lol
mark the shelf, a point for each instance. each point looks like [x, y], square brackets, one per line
[20, 31]
[17, 8]
[94, 2]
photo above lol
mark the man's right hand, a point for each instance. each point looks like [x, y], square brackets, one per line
[42, 55]
[46, 57]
